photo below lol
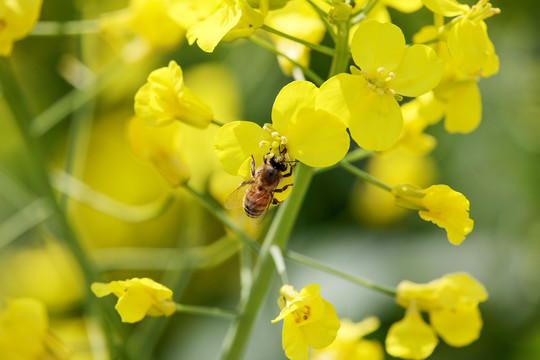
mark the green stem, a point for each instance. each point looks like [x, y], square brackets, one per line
[208, 311]
[362, 13]
[305, 260]
[277, 255]
[278, 235]
[353, 156]
[340, 62]
[363, 175]
[324, 18]
[220, 214]
[309, 73]
[217, 122]
[55, 28]
[320, 48]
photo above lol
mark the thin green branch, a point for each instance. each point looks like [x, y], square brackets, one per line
[208, 311]
[309, 73]
[83, 193]
[324, 18]
[362, 13]
[363, 175]
[222, 216]
[277, 255]
[320, 48]
[340, 62]
[24, 220]
[305, 260]
[56, 28]
[353, 156]
[217, 122]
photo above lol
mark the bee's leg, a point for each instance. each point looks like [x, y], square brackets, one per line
[290, 171]
[252, 166]
[282, 189]
[276, 201]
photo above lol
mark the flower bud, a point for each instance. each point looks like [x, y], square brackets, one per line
[339, 13]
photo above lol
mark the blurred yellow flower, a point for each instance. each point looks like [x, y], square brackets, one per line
[47, 273]
[309, 134]
[24, 332]
[452, 304]
[298, 19]
[224, 20]
[349, 343]
[17, 18]
[439, 204]
[138, 298]
[366, 99]
[308, 320]
[161, 146]
[164, 99]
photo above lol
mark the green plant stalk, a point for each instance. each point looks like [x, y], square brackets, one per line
[317, 80]
[324, 18]
[353, 156]
[305, 260]
[55, 28]
[23, 115]
[363, 175]
[278, 235]
[320, 48]
[340, 62]
[207, 311]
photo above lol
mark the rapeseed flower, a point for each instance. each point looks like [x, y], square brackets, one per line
[350, 344]
[138, 298]
[224, 20]
[17, 18]
[452, 304]
[165, 98]
[367, 98]
[309, 134]
[308, 320]
[439, 204]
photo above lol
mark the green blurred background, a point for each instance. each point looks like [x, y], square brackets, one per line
[497, 167]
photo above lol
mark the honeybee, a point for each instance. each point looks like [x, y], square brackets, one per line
[257, 194]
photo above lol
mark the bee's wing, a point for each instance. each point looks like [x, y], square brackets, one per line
[236, 199]
[257, 220]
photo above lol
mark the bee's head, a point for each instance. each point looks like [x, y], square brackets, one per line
[278, 161]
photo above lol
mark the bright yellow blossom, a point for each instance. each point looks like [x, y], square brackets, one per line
[17, 18]
[298, 19]
[439, 204]
[24, 332]
[138, 298]
[164, 99]
[161, 146]
[366, 99]
[309, 134]
[349, 343]
[308, 320]
[225, 20]
[452, 304]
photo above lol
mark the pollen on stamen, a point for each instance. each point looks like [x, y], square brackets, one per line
[380, 70]
[390, 76]
[390, 92]
[264, 143]
[283, 140]
[371, 86]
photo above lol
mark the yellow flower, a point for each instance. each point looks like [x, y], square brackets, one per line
[349, 343]
[164, 99]
[17, 18]
[161, 146]
[24, 331]
[308, 320]
[366, 99]
[138, 298]
[300, 20]
[452, 304]
[227, 20]
[439, 204]
[309, 134]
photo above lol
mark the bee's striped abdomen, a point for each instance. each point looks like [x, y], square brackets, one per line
[256, 202]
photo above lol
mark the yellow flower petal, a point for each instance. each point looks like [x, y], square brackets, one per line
[405, 6]
[377, 45]
[293, 341]
[376, 120]
[209, 32]
[458, 326]
[447, 209]
[291, 98]
[419, 72]
[411, 337]
[339, 93]
[468, 45]
[18, 19]
[460, 288]
[463, 108]
[446, 7]
[322, 333]
[133, 304]
[236, 141]
[317, 138]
